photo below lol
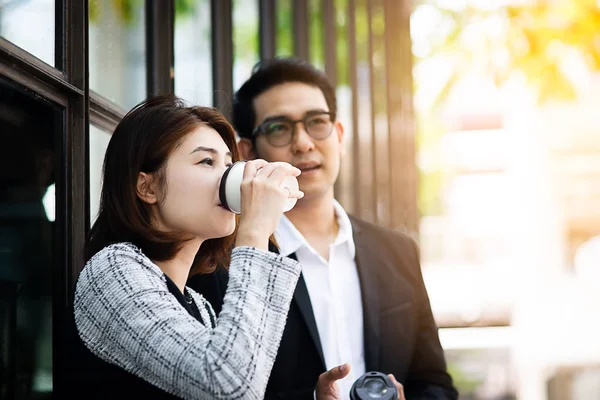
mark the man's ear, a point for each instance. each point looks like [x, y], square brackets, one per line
[146, 188]
[339, 130]
[247, 151]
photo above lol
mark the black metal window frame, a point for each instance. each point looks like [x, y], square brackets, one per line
[67, 87]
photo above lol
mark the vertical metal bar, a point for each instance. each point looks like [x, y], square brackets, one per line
[402, 151]
[160, 52]
[267, 29]
[329, 33]
[329, 40]
[380, 137]
[222, 50]
[72, 185]
[301, 29]
[59, 36]
[410, 131]
[352, 73]
[374, 178]
[8, 339]
[71, 200]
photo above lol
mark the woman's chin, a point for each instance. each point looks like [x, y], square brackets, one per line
[225, 231]
[222, 228]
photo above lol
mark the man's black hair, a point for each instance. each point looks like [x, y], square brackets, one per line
[269, 73]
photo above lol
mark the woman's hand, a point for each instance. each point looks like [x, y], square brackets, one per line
[263, 201]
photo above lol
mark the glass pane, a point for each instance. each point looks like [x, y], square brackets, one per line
[117, 50]
[98, 143]
[37, 35]
[245, 40]
[193, 68]
[27, 160]
[285, 43]
[315, 34]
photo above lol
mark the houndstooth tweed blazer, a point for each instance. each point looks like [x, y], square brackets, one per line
[126, 316]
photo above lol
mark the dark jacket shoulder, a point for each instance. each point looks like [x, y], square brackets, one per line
[389, 243]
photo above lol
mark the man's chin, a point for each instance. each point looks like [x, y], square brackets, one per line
[314, 190]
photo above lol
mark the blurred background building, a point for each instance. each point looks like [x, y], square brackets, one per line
[473, 125]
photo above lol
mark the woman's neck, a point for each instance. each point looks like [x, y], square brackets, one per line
[178, 268]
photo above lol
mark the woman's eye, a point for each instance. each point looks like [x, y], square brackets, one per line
[207, 161]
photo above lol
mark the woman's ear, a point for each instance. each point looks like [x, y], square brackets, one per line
[146, 188]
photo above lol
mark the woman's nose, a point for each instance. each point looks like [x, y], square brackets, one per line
[221, 172]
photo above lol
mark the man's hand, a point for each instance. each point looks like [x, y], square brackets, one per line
[398, 386]
[327, 389]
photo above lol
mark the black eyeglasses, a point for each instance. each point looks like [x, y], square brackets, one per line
[279, 132]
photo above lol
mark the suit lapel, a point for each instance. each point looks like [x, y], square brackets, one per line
[302, 299]
[366, 261]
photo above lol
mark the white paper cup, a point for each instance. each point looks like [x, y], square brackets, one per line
[230, 193]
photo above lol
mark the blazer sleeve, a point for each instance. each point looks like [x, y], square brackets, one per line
[427, 376]
[126, 316]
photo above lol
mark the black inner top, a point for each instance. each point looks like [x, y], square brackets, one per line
[185, 299]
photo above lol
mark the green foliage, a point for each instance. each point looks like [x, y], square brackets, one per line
[285, 43]
[126, 9]
[317, 50]
[245, 35]
[432, 177]
[342, 52]
[461, 380]
[185, 8]
[94, 10]
[532, 39]
[430, 184]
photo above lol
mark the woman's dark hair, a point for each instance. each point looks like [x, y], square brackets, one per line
[273, 72]
[142, 142]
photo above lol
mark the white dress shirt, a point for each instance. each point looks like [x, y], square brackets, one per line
[334, 291]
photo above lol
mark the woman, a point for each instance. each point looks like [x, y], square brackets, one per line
[146, 334]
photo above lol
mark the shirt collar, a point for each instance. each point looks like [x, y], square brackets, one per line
[290, 240]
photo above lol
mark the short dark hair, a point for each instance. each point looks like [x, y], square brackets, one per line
[273, 72]
[142, 142]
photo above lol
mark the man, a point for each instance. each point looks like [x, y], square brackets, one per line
[361, 299]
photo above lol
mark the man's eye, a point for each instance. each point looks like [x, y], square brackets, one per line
[317, 121]
[277, 128]
[207, 161]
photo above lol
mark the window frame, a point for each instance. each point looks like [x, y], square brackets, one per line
[67, 86]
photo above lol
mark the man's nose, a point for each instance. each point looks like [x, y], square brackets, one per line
[302, 142]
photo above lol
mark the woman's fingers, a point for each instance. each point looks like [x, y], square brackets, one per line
[251, 168]
[295, 194]
[277, 172]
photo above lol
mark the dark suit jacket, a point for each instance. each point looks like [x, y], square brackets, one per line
[400, 334]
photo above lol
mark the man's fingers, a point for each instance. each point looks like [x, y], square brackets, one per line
[336, 373]
[398, 386]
